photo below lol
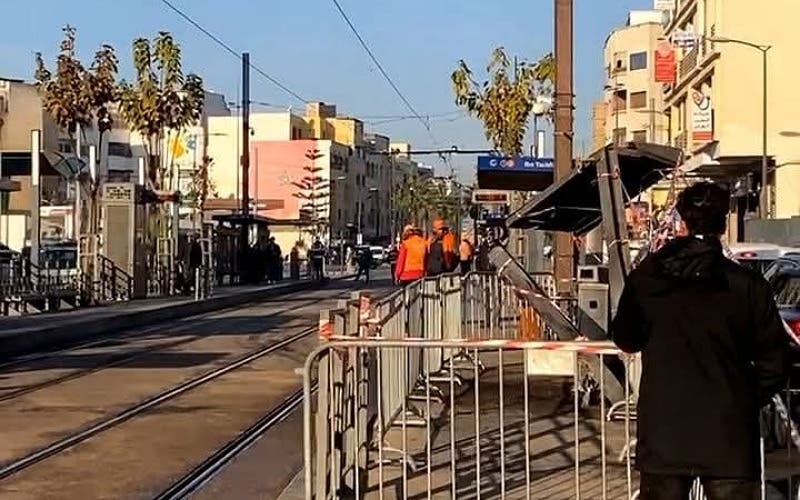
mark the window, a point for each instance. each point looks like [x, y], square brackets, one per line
[638, 61]
[620, 62]
[619, 100]
[119, 149]
[620, 135]
[640, 135]
[638, 100]
[64, 146]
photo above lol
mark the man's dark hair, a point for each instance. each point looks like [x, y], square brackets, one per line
[704, 208]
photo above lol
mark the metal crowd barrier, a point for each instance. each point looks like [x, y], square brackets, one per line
[365, 437]
[397, 394]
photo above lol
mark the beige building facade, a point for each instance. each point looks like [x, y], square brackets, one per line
[715, 105]
[633, 98]
[358, 166]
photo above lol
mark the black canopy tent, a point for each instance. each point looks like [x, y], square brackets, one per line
[573, 204]
[589, 196]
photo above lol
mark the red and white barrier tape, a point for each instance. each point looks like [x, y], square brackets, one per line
[580, 346]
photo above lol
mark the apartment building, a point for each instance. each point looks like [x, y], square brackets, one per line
[357, 171]
[715, 104]
[632, 96]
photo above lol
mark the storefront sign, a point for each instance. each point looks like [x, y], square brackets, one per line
[490, 197]
[665, 63]
[702, 117]
[684, 38]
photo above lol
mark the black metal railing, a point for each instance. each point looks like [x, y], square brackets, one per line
[113, 283]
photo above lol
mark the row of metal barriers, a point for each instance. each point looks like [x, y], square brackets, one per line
[457, 387]
[467, 387]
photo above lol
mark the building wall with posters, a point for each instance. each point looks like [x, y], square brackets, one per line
[632, 96]
[715, 103]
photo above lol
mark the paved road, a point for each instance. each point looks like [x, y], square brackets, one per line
[47, 399]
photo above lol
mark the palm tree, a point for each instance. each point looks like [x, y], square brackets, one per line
[504, 101]
[161, 101]
[414, 200]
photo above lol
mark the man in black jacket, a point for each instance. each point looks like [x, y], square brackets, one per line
[714, 351]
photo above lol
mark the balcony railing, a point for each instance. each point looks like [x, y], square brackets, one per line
[688, 63]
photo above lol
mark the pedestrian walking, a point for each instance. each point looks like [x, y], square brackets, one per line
[412, 257]
[364, 260]
[441, 250]
[317, 254]
[465, 255]
[714, 352]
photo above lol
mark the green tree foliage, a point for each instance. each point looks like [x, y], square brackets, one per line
[74, 95]
[314, 195]
[503, 102]
[419, 200]
[161, 100]
[202, 186]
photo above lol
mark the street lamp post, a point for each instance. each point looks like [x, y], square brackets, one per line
[763, 205]
[370, 192]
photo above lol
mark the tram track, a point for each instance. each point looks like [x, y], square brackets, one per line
[117, 360]
[134, 332]
[214, 464]
[18, 465]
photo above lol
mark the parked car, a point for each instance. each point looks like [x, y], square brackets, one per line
[784, 277]
[759, 256]
[378, 255]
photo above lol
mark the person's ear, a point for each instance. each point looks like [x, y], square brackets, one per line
[683, 229]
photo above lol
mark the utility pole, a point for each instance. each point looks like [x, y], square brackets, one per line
[245, 159]
[563, 133]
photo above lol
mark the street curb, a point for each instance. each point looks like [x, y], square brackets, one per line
[47, 337]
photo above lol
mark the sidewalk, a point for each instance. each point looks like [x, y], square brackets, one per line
[26, 334]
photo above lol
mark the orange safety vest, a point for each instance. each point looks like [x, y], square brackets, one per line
[412, 259]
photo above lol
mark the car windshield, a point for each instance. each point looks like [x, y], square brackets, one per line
[788, 293]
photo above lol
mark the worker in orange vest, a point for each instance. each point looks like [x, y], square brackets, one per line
[412, 260]
[441, 250]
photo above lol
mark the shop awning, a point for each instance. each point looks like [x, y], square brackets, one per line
[573, 204]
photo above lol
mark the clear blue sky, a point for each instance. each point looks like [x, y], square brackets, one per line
[308, 47]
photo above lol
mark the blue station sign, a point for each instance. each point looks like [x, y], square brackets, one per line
[523, 173]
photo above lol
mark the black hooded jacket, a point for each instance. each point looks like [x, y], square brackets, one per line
[714, 351]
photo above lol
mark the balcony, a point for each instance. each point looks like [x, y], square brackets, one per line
[688, 63]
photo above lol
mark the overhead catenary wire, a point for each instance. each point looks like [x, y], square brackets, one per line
[230, 50]
[380, 67]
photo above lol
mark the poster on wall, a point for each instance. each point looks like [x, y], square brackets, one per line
[702, 117]
[665, 65]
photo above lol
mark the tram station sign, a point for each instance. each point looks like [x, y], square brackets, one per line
[518, 164]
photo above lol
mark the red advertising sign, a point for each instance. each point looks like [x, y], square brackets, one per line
[665, 63]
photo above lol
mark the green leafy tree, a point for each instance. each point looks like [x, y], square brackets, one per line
[202, 187]
[503, 102]
[161, 101]
[413, 200]
[74, 95]
[314, 195]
